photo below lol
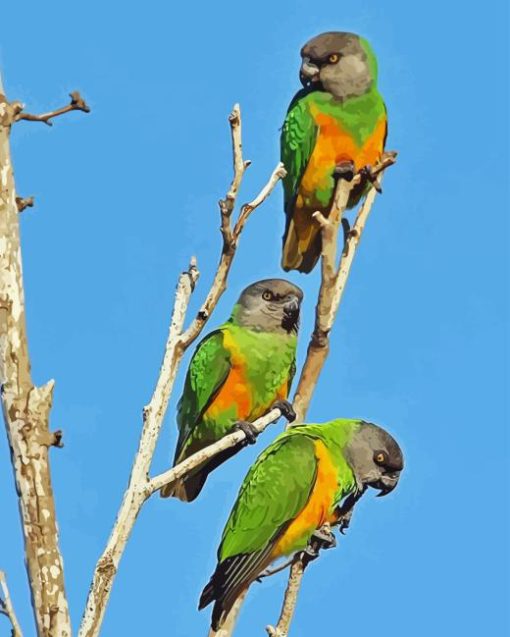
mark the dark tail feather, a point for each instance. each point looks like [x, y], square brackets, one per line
[223, 597]
[186, 489]
[229, 580]
[301, 252]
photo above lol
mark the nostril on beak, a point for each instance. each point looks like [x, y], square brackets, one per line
[309, 72]
[292, 307]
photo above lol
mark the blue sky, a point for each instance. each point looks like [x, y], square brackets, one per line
[126, 194]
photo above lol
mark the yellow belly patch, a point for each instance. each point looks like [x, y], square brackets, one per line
[317, 511]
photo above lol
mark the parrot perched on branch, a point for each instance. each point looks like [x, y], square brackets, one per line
[298, 484]
[335, 127]
[237, 373]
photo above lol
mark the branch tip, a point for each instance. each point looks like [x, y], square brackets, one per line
[235, 116]
[77, 103]
[320, 218]
[56, 439]
[24, 202]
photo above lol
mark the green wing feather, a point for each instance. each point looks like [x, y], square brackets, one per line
[275, 490]
[208, 370]
[299, 134]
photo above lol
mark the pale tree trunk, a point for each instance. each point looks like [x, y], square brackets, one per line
[26, 411]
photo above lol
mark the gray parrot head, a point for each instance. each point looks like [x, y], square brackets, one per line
[375, 458]
[272, 305]
[340, 63]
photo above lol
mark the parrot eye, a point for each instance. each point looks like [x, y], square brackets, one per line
[379, 457]
[333, 58]
[267, 295]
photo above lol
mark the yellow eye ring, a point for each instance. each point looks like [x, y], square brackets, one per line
[266, 295]
[333, 58]
[380, 458]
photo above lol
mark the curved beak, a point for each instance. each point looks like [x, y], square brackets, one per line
[291, 314]
[309, 72]
[386, 483]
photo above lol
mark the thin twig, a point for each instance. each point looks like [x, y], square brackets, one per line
[77, 103]
[219, 283]
[6, 607]
[140, 487]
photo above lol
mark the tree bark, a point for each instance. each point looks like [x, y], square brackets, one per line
[26, 410]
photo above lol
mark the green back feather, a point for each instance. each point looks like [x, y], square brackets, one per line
[208, 370]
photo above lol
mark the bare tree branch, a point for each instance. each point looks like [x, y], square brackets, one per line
[220, 278]
[140, 487]
[26, 410]
[77, 103]
[333, 281]
[205, 454]
[132, 502]
[6, 607]
[297, 570]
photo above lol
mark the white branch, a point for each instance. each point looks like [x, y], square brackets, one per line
[207, 453]
[153, 415]
[6, 607]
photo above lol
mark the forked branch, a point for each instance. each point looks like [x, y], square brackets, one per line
[140, 486]
[77, 103]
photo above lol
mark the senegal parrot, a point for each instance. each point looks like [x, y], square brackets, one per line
[299, 483]
[335, 126]
[237, 373]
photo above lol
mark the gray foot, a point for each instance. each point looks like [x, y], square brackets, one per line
[249, 431]
[367, 173]
[344, 170]
[286, 408]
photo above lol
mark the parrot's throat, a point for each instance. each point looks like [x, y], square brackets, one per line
[290, 322]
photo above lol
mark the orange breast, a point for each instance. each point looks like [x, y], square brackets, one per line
[335, 145]
[317, 511]
[234, 393]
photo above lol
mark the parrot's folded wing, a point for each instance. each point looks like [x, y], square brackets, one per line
[299, 134]
[273, 493]
[298, 139]
[208, 371]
